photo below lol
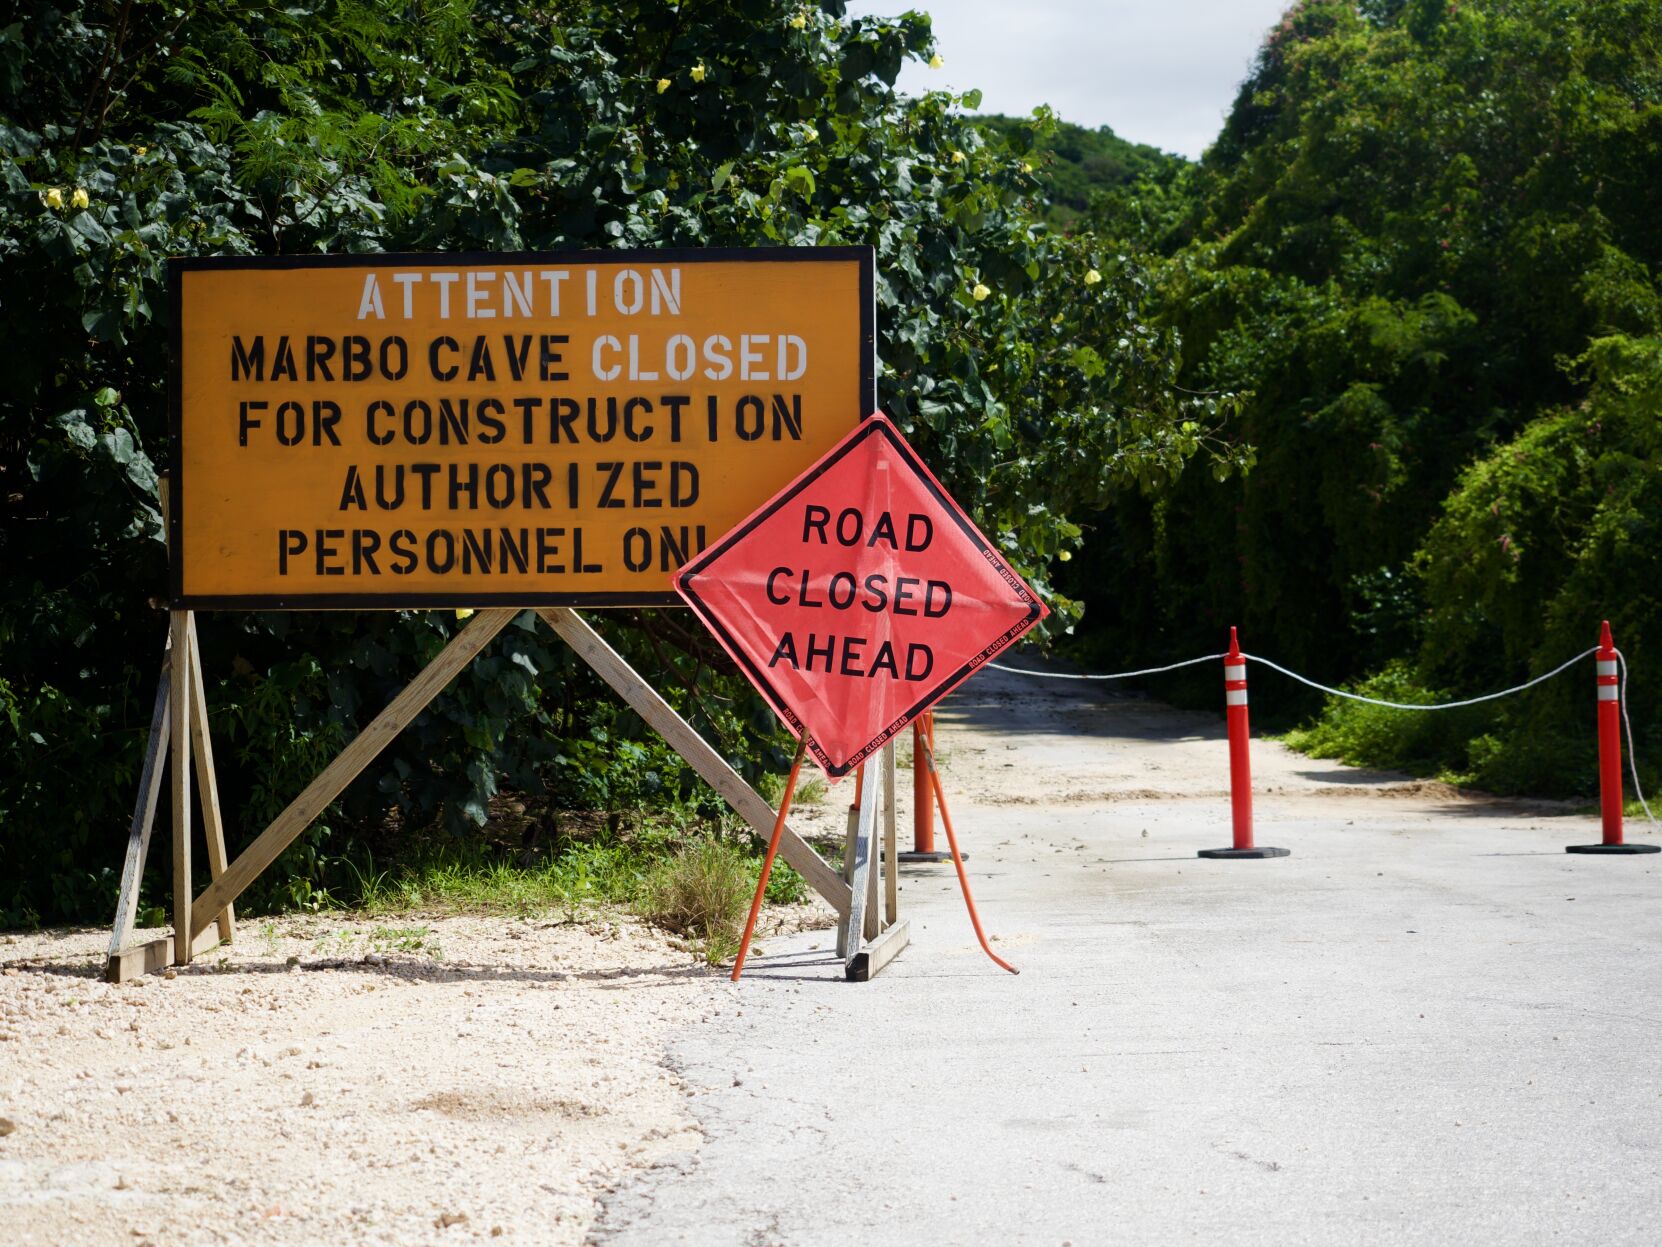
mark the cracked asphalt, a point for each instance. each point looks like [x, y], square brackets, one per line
[1427, 1025]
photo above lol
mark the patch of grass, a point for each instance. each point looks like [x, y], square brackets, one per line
[809, 791]
[405, 940]
[469, 878]
[702, 893]
[672, 872]
[379, 940]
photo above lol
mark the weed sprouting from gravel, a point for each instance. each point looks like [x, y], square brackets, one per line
[703, 893]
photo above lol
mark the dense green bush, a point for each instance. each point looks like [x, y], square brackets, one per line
[1425, 243]
[1020, 363]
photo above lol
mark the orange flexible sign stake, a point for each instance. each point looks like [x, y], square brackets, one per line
[767, 861]
[934, 776]
[858, 596]
[562, 428]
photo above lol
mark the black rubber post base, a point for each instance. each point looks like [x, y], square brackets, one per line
[913, 856]
[1259, 852]
[1613, 848]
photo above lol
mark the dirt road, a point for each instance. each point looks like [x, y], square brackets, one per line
[1428, 1025]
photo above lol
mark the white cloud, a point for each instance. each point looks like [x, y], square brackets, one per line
[1160, 73]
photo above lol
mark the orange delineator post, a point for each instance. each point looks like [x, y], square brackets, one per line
[1608, 681]
[1610, 737]
[923, 797]
[1240, 758]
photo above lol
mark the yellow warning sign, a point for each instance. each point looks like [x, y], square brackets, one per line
[424, 431]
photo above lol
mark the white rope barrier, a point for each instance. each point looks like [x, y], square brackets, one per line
[1408, 705]
[1632, 765]
[1632, 761]
[1113, 675]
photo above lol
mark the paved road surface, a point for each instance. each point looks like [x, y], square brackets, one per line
[1428, 1025]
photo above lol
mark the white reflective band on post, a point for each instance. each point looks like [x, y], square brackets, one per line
[1237, 696]
[1608, 692]
[1234, 671]
[1607, 666]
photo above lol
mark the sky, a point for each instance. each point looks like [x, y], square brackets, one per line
[1162, 72]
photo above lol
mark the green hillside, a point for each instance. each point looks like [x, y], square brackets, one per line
[1073, 163]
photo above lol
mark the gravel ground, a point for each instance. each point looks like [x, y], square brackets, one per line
[335, 1081]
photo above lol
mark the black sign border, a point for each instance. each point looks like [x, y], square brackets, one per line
[864, 256]
[872, 428]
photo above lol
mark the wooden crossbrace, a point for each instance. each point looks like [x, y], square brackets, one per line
[464, 647]
[181, 700]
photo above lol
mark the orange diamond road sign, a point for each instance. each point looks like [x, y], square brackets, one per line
[858, 596]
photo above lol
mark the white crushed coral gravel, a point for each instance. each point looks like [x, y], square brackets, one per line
[324, 1080]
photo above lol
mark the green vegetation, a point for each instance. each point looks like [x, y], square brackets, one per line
[1424, 248]
[130, 133]
[688, 878]
[702, 892]
[575, 874]
[466, 878]
[1076, 167]
[1421, 744]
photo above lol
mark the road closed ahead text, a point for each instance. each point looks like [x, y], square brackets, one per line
[426, 432]
[847, 651]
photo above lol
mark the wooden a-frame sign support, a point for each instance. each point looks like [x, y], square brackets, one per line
[871, 867]
[202, 922]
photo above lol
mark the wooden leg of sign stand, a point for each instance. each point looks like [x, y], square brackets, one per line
[178, 726]
[891, 856]
[870, 960]
[874, 876]
[181, 663]
[851, 839]
[860, 881]
[886, 933]
[213, 829]
[179, 693]
[138, 832]
[873, 922]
